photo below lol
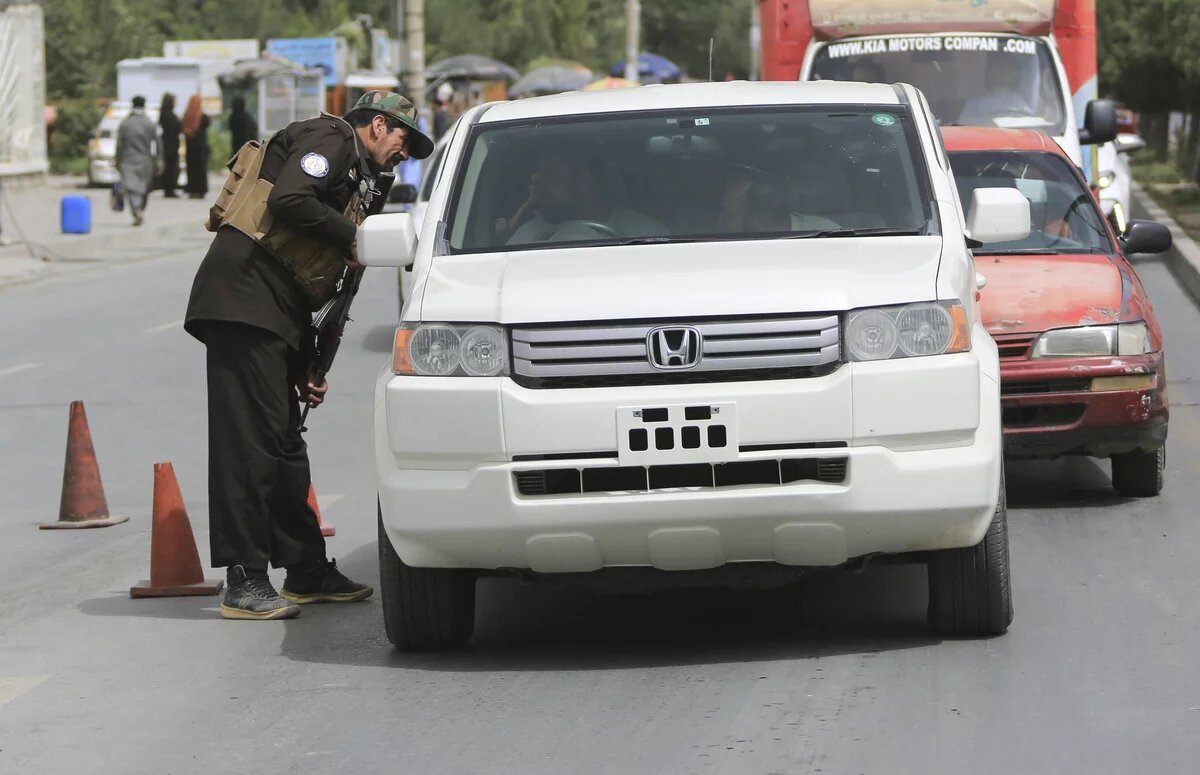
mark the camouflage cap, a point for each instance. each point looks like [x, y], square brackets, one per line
[400, 108]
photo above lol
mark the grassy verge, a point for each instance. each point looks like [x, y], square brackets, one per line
[69, 166]
[1179, 197]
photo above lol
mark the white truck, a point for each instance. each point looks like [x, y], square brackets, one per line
[705, 332]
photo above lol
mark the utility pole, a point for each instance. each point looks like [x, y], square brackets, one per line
[633, 34]
[411, 15]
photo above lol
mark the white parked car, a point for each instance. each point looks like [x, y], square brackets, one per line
[1115, 178]
[102, 148]
[706, 332]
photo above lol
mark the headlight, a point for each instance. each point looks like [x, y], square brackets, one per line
[911, 331]
[450, 350]
[1122, 339]
[1105, 180]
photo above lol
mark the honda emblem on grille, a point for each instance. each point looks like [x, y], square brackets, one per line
[675, 347]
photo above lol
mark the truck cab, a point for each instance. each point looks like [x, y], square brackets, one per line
[1014, 64]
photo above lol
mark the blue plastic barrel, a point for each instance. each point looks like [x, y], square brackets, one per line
[76, 214]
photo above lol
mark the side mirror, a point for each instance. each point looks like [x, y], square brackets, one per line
[388, 239]
[1099, 123]
[998, 215]
[405, 193]
[1128, 143]
[1146, 237]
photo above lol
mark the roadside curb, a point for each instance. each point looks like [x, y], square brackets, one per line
[75, 248]
[1183, 259]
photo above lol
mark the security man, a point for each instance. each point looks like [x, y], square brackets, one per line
[285, 222]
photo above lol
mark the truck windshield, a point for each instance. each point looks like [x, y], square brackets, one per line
[1063, 216]
[690, 175]
[972, 80]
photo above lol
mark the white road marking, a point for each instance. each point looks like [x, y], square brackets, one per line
[165, 327]
[20, 367]
[325, 501]
[14, 687]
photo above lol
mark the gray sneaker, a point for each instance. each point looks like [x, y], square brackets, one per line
[253, 597]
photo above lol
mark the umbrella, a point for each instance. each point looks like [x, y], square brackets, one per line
[609, 83]
[471, 67]
[550, 80]
[651, 67]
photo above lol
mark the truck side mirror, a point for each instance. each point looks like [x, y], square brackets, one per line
[998, 215]
[1099, 123]
[388, 239]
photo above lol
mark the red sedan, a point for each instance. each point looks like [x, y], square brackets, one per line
[1082, 370]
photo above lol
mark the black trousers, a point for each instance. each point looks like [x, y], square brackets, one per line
[258, 475]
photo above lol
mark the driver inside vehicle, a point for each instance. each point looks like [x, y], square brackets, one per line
[570, 201]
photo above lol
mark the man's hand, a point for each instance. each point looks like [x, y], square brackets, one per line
[351, 258]
[311, 394]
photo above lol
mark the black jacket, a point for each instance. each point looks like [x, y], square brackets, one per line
[316, 165]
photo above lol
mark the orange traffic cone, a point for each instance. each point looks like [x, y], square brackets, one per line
[174, 562]
[83, 503]
[326, 530]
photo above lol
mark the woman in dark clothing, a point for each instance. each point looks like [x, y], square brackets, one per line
[170, 128]
[195, 132]
[242, 128]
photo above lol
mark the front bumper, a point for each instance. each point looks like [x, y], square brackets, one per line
[102, 172]
[1052, 408]
[922, 479]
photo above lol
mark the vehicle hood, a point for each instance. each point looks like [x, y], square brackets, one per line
[1030, 294]
[686, 280]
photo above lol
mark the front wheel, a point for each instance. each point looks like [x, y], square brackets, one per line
[969, 589]
[1139, 474]
[424, 609]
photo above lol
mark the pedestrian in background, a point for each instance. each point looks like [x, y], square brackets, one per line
[249, 308]
[168, 122]
[137, 150]
[195, 133]
[242, 127]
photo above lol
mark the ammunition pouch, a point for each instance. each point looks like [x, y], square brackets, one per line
[315, 265]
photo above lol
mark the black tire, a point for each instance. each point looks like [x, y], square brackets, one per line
[970, 593]
[424, 609]
[1139, 474]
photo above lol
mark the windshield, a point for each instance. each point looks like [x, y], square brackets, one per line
[973, 80]
[1062, 211]
[746, 173]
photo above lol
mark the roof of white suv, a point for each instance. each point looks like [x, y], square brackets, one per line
[694, 95]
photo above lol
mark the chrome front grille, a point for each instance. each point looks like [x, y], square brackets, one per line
[727, 345]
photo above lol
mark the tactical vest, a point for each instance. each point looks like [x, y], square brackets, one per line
[315, 265]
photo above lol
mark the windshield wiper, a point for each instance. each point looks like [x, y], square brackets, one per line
[875, 231]
[1035, 251]
[655, 241]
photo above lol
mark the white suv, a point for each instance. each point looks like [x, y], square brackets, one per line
[704, 329]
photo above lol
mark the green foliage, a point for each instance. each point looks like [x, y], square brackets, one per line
[219, 148]
[76, 123]
[1156, 172]
[84, 44]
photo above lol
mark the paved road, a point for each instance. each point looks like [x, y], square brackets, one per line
[1097, 675]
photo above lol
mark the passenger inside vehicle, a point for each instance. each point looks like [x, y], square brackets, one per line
[569, 200]
[729, 175]
[1063, 214]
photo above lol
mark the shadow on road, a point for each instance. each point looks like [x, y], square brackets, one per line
[536, 627]
[1070, 482]
[379, 339]
[154, 608]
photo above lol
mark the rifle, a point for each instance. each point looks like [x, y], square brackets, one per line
[324, 334]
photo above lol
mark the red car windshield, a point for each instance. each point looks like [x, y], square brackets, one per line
[1062, 211]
